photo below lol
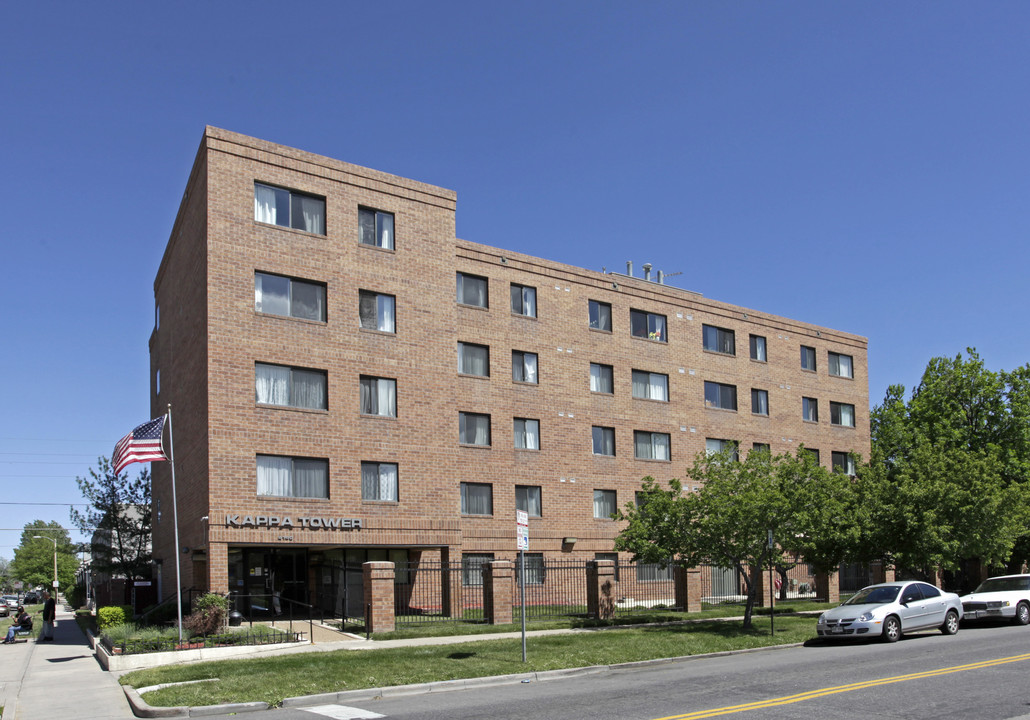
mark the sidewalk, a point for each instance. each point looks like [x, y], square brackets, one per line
[58, 679]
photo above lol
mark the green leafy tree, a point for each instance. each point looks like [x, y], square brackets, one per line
[33, 561]
[727, 522]
[118, 519]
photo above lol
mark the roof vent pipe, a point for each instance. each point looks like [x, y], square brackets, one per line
[661, 278]
[647, 271]
[629, 268]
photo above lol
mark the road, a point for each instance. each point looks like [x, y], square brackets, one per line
[978, 674]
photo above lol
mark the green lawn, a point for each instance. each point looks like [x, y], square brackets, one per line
[274, 678]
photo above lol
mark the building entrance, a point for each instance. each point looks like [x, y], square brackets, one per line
[267, 580]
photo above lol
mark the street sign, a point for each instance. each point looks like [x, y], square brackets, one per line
[522, 529]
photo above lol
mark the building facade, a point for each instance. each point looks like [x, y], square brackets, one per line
[350, 382]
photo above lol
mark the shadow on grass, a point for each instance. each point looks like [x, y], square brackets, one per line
[461, 655]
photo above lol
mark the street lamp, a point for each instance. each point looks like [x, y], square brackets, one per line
[54, 541]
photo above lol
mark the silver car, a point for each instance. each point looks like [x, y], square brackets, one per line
[890, 609]
[1006, 597]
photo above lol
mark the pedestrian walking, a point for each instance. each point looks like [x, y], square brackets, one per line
[49, 617]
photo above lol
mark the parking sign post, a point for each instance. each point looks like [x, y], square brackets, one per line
[522, 533]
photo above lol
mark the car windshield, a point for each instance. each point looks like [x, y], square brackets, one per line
[1004, 584]
[874, 596]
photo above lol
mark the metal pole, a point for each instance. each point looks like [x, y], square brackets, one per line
[175, 522]
[522, 592]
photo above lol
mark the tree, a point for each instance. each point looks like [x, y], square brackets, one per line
[727, 522]
[118, 518]
[33, 561]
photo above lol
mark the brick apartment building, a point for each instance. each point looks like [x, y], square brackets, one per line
[351, 382]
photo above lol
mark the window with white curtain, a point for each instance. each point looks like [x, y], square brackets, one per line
[527, 499]
[288, 208]
[279, 295]
[842, 414]
[604, 504]
[473, 429]
[472, 567]
[379, 481]
[603, 440]
[600, 315]
[523, 366]
[650, 386]
[535, 569]
[648, 325]
[759, 402]
[376, 311]
[758, 351]
[651, 445]
[843, 462]
[717, 339]
[720, 395]
[527, 434]
[810, 409]
[841, 365]
[280, 476]
[714, 446]
[807, 358]
[477, 498]
[378, 396]
[290, 387]
[375, 228]
[472, 290]
[523, 300]
[602, 379]
[473, 359]
[654, 572]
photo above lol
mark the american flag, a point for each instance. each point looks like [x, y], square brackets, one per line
[143, 444]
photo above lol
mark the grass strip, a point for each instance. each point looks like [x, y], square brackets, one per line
[273, 679]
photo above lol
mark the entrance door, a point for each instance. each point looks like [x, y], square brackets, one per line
[272, 578]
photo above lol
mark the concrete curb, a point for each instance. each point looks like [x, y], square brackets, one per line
[141, 709]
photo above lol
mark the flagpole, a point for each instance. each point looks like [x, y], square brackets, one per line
[175, 522]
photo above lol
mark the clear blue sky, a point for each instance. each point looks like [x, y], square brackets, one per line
[863, 166]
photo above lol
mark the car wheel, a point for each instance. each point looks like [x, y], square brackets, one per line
[950, 626]
[1022, 614]
[891, 629]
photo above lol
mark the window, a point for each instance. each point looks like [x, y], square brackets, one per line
[477, 499]
[523, 300]
[840, 365]
[842, 414]
[376, 311]
[653, 572]
[527, 434]
[810, 409]
[472, 567]
[614, 557]
[647, 325]
[375, 228]
[290, 387]
[720, 340]
[601, 379]
[759, 402]
[472, 290]
[535, 570]
[278, 295]
[523, 366]
[379, 481]
[287, 208]
[650, 445]
[843, 462]
[527, 499]
[292, 477]
[600, 316]
[714, 446]
[604, 504]
[604, 440]
[761, 447]
[807, 358]
[474, 429]
[473, 359]
[718, 395]
[812, 453]
[378, 396]
[758, 348]
[650, 386]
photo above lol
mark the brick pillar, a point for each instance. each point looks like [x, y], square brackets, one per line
[378, 577]
[879, 573]
[449, 599]
[602, 589]
[498, 591]
[218, 568]
[827, 586]
[687, 584]
[760, 578]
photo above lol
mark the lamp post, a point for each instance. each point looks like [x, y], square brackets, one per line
[54, 541]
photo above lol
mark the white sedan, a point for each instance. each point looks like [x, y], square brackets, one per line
[890, 609]
[1006, 597]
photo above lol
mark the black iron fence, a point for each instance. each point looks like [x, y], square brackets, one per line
[133, 646]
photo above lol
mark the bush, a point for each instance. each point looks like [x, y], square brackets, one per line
[111, 615]
[208, 615]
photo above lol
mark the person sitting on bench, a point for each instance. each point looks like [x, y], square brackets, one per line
[21, 621]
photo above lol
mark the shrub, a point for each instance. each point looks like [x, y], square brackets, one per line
[208, 615]
[109, 616]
